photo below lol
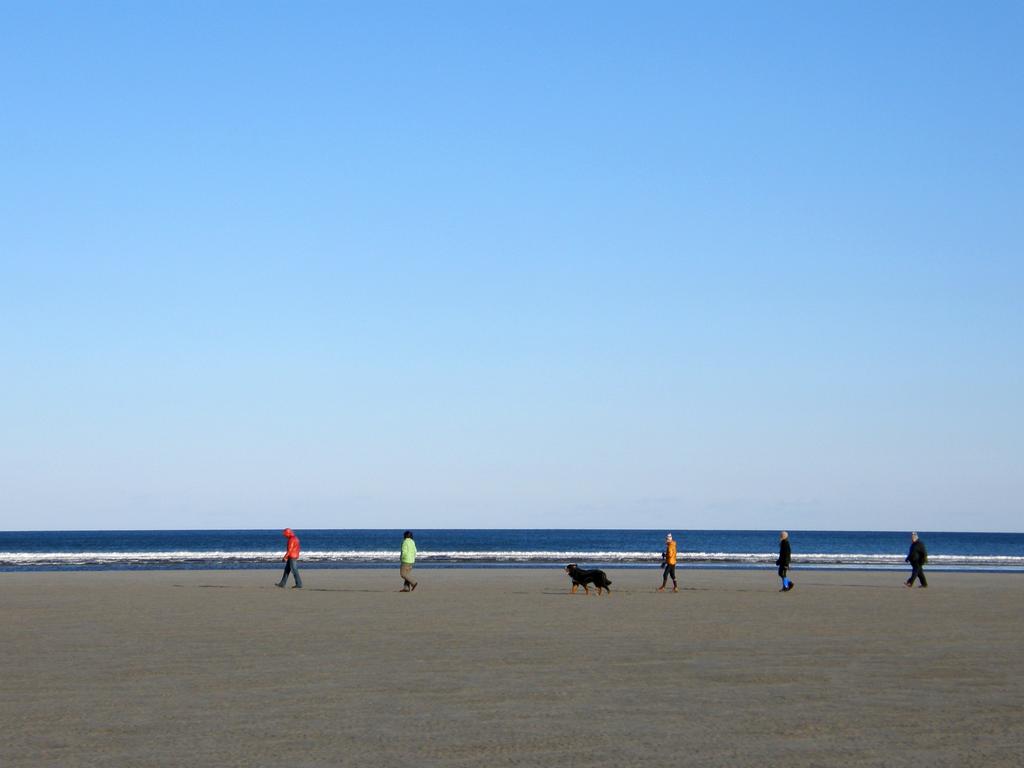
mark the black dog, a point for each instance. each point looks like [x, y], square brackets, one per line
[582, 578]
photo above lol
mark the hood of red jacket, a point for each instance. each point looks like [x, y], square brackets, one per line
[288, 532]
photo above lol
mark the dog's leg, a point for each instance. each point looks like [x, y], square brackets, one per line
[574, 588]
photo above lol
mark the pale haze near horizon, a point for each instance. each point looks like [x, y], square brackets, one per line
[463, 265]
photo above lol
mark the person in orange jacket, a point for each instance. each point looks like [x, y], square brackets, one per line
[291, 560]
[668, 559]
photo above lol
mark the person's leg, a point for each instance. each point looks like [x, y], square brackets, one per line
[404, 572]
[284, 576]
[920, 576]
[664, 577]
[782, 575]
[672, 573]
[295, 573]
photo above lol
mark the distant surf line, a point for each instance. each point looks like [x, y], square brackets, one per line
[243, 558]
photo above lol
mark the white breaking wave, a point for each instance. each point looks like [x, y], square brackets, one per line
[72, 559]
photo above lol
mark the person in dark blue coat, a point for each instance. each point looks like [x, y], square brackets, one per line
[917, 557]
[785, 554]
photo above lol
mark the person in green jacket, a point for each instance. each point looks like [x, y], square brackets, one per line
[408, 558]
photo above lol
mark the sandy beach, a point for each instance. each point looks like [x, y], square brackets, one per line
[505, 667]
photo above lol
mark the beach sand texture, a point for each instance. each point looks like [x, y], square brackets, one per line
[504, 667]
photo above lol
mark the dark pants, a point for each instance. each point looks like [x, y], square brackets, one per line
[783, 570]
[670, 570]
[917, 573]
[291, 566]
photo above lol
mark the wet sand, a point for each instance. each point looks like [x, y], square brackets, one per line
[504, 667]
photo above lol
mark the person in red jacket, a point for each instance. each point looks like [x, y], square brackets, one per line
[291, 560]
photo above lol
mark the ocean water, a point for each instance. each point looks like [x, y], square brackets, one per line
[454, 548]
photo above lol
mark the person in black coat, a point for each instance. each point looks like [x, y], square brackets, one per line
[917, 557]
[783, 562]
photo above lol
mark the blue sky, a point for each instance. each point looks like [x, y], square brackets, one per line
[511, 265]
